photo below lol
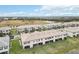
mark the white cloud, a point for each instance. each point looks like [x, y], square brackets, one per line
[49, 10]
[46, 8]
[48, 14]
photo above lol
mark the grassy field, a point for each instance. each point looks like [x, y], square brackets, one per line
[59, 47]
[21, 22]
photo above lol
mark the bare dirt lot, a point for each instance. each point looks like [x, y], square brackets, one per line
[21, 22]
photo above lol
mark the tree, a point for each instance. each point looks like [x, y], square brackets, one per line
[39, 29]
[32, 30]
[2, 34]
[44, 28]
[26, 31]
[13, 32]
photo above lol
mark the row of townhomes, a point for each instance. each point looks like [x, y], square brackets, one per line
[5, 30]
[54, 32]
[4, 44]
[31, 39]
[47, 26]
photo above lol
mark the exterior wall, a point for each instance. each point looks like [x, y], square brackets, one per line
[31, 43]
[4, 50]
[5, 41]
[71, 34]
[4, 31]
[50, 26]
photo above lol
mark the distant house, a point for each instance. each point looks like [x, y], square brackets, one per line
[71, 24]
[6, 18]
[4, 44]
[72, 31]
[5, 30]
[29, 27]
[48, 26]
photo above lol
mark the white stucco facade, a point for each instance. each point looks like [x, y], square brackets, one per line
[41, 37]
[29, 39]
[4, 44]
[5, 30]
[48, 26]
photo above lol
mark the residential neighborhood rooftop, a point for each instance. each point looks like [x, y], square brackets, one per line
[4, 44]
[72, 29]
[4, 41]
[39, 35]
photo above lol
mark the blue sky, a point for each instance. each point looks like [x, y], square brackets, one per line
[17, 8]
[38, 10]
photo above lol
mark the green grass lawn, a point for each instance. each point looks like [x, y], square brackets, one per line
[59, 47]
[13, 32]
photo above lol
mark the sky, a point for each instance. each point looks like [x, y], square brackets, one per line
[39, 10]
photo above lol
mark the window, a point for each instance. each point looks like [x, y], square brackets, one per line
[24, 42]
[74, 32]
[55, 36]
[6, 30]
[52, 36]
[58, 35]
[5, 47]
[33, 41]
[1, 31]
[37, 40]
[46, 38]
[41, 39]
[27, 42]
[65, 34]
[1, 48]
[49, 37]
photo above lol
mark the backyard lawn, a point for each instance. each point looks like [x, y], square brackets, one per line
[59, 47]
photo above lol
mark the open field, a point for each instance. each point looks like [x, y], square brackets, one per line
[59, 47]
[21, 22]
